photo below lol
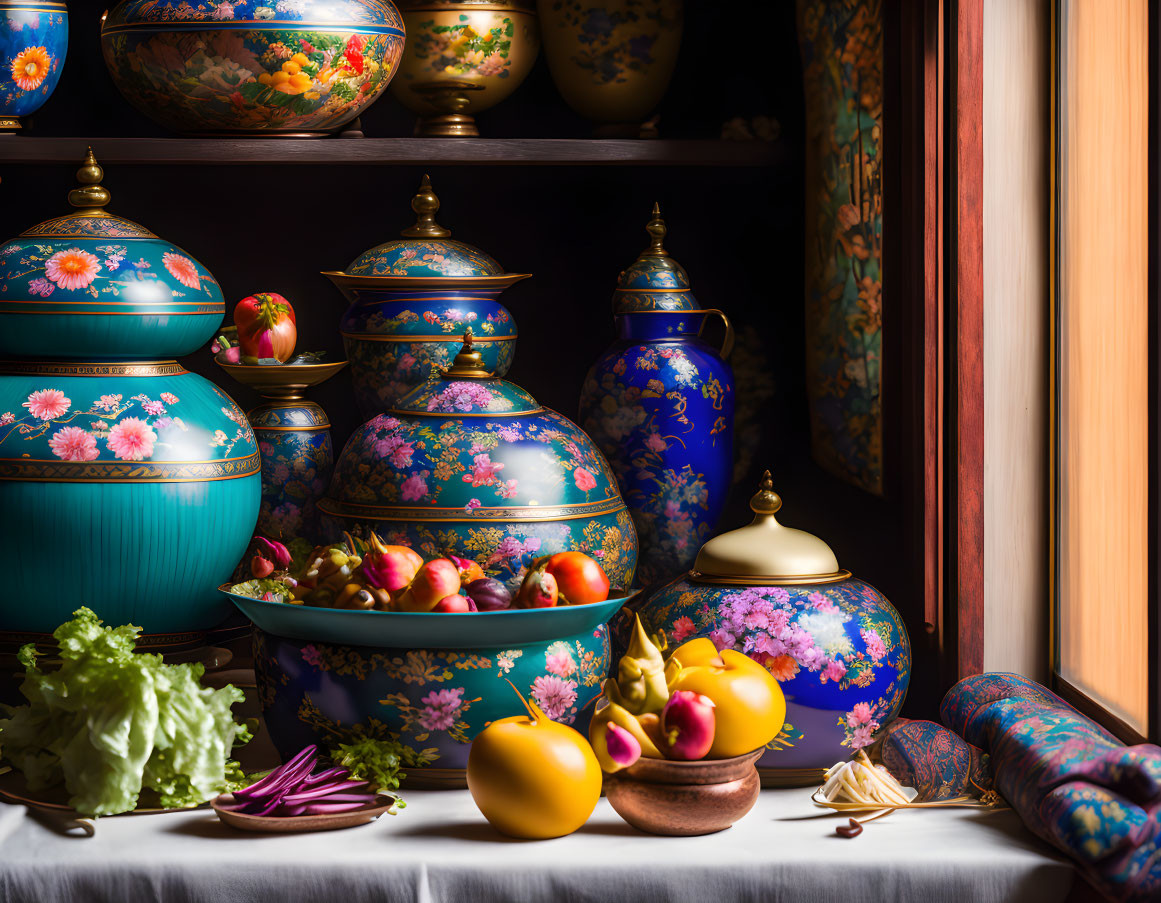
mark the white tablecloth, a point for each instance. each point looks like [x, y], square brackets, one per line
[441, 849]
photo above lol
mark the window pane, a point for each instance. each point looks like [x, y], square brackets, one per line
[1103, 562]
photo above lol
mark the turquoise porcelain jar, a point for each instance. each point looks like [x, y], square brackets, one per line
[471, 465]
[127, 483]
[835, 644]
[34, 40]
[434, 700]
[660, 404]
[411, 300]
[293, 68]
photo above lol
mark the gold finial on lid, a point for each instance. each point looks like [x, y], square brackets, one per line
[426, 205]
[468, 362]
[766, 500]
[657, 232]
[92, 196]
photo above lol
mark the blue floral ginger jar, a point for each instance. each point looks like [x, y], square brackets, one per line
[294, 438]
[835, 644]
[34, 40]
[471, 465]
[410, 301]
[659, 403]
[127, 483]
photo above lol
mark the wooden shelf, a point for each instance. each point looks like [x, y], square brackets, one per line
[392, 151]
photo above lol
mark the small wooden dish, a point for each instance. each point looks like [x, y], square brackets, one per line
[297, 824]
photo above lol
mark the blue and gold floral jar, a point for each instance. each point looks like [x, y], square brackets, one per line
[835, 644]
[34, 40]
[410, 302]
[434, 701]
[127, 483]
[659, 403]
[294, 437]
[471, 465]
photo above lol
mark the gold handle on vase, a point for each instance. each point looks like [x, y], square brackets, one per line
[728, 342]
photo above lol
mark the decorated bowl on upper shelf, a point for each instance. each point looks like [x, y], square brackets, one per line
[480, 50]
[432, 680]
[471, 465]
[92, 285]
[252, 67]
[411, 299]
[835, 644]
[34, 39]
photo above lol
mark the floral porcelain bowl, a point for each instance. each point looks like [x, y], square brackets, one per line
[411, 299]
[34, 40]
[471, 465]
[252, 67]
[434, 700]
[836, 645]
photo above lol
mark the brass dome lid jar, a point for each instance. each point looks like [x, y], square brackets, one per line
[411, 299]
[472, 465]
[834, 643]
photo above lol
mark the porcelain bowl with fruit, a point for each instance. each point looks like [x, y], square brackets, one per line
[253, 68]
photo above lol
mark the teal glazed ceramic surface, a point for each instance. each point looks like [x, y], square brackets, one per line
[34, 40]
[425, 629]
[130, 486]
[472, 465]
[91, 283]
[434, 700]
[410, 302]
[256, 67]
[142, 478]
[659, 403]
[834, 643]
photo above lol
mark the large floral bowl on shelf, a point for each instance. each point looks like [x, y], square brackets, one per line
[434, 700]
[410, 301]
[471, 465]
[34, 40]
[90, 282]
[836, 645]
[127, 483]
[252, 67]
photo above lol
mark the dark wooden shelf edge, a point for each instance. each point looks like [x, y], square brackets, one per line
[26, 149]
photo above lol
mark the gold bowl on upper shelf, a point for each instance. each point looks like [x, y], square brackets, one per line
[302, 69]
[612, 61]
[462, 57]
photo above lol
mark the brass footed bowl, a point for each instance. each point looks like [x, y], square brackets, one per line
[683, 799]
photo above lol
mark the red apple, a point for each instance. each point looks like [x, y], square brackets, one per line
[456, 604]
[266, 327]
[538, 590]
[687, 725]
[436, 580]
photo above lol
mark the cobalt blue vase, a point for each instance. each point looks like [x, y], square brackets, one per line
[127, 483]
[411, 300]
[34, 39]
[659, 403]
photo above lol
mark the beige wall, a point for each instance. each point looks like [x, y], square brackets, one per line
[1016, 216]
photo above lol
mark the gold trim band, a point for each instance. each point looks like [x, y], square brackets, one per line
[449, 337]
[524, 514]
[91, 368]
[762, 580]
[29, 471]
[118, 313]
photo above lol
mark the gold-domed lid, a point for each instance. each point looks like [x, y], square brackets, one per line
[765, 553]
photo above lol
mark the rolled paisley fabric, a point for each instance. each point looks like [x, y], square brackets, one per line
[937, 762]
[1071, 781]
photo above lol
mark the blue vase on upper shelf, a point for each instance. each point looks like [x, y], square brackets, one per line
[34, 40]
[659, 403]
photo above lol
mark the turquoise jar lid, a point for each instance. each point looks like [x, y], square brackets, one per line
[654, 281]
[426, 249]
[466, 444]
[366, 14]
[92, 285]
